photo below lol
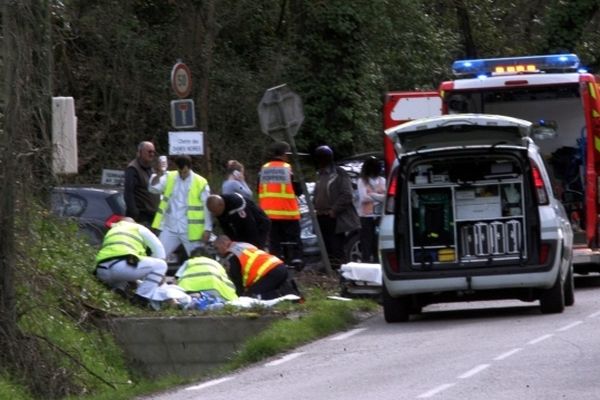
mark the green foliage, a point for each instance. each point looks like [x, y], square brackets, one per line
[335, 75]
[10, 390]
[62, 314]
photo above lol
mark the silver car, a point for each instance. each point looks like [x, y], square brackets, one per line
[470, 215]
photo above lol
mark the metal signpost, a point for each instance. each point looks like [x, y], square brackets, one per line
[183, 114]
[280, 114]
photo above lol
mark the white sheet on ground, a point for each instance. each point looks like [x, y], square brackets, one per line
[173, 292]
[247, 302]
[365, 272]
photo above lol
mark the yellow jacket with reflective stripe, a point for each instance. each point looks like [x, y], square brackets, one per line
[255, 262]
[195, 211]
[275, 191]
[202, 274]
[122, 239]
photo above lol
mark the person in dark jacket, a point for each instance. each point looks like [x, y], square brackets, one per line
[240, 218]
[333, 201]
[140, 204]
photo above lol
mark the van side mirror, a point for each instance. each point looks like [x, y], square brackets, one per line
[544, 129]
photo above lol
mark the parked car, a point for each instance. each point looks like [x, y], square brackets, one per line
[470, 215]
[93, 207]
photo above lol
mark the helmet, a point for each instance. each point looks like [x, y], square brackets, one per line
[323, 151]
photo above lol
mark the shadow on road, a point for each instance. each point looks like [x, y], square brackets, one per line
[482, 311]
[587, 282]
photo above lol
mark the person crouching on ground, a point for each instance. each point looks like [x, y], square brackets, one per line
[201, 274]
[254, 272]
[123, 258]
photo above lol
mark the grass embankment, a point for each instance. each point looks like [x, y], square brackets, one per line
[62, 308]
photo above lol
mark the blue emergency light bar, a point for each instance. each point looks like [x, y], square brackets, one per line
[516, 65]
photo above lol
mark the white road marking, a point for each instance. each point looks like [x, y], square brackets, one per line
[474, 371]
[594, 315]
[567, 327]
[435, 391]
[346, 335]
[537, 340]
[283, 359]
[209, 383]
[508, 354]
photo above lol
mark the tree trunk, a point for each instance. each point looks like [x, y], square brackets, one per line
[207, 45]
[464, 25]
[8, 320]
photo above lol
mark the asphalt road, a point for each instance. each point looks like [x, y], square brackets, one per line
[468, 351]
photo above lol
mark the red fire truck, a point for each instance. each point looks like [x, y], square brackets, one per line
[552, 89]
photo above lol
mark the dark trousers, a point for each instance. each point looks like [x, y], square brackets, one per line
[334, 242]
[268, 286]
[368, 239]
[283, 231]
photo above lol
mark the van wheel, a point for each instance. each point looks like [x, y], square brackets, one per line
[570, 288]
[552, 301]
[395, 309]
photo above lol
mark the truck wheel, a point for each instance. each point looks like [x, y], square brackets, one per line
[395, 309]
[569, 288]
[552, 301]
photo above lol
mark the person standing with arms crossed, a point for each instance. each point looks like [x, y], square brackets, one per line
[181, 215]
[371, 194]
[140, 204]
[277, 197]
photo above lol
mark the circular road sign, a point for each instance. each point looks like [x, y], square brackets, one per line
[181, 80]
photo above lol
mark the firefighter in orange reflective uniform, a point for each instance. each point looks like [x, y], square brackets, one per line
[254, 272]
[277, 197]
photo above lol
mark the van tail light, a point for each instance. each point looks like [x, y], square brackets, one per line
[544, 253]
[392, 261]
[113, 219]
[540, 188]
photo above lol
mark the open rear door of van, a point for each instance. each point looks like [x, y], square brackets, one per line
[400, 107]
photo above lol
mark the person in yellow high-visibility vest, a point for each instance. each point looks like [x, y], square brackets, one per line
[277, 197]
[203, 274]
[181, 215]
[255, 272]
[123, 258]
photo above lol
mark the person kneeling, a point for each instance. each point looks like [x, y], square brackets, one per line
[122, 259]
[201, 274]
[255, 272]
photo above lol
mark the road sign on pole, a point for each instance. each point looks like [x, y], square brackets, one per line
[181, 80]
[183, 114]
[280, 114]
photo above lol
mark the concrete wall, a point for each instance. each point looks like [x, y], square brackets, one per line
[184, 346]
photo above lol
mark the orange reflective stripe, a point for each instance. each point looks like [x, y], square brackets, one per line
[276, 193]
[255, 263]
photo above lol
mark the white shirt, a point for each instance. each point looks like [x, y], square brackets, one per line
[156, 247]
[175, 216]
[370, 195]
